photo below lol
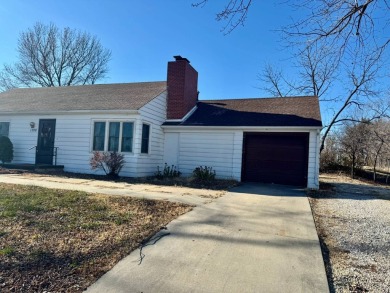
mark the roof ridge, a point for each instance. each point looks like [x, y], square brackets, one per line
[82, 85]
[128, 96]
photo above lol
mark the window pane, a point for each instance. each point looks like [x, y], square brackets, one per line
[4, 128]
[145, 138]
[127, 137]
[98, 136]
[113, 137]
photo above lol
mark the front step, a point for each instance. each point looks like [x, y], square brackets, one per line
[34, 167]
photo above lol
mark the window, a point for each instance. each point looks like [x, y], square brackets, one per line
[127, 137]
[145, 138]
[4, 128]
[98, 136]
[113, 136]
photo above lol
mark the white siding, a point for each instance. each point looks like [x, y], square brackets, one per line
[23, 138]
[237, 154]
[220, 150]
[313, 162]
[155, 114]
[73, 137]
[171, 148]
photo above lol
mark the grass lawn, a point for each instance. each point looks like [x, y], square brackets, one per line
[63, 241]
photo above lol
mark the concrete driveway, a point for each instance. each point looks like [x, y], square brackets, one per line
[257, 238]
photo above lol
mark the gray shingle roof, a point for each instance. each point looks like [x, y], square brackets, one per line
[289, 111]
[121, 96]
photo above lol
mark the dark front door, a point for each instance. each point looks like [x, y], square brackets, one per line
[279, 158]
[45, 144]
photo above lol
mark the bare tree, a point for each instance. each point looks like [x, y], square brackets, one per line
[345, 25]
[343, 21]
[361, 144]
[337, 42]
[50, 57]
[355, 141]
[331, 155]
[234, 13]
[316, 73]
[276, 84]
[319, 72]
[379, 144]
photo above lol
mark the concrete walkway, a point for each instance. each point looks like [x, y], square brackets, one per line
[176, 194]
[257, 238]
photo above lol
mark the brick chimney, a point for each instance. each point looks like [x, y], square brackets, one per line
[182, 83]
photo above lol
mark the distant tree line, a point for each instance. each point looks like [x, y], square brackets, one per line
[363, 145]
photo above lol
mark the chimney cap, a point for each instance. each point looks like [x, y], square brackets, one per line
[179, 58]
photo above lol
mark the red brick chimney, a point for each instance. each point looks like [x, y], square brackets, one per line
[182, 83]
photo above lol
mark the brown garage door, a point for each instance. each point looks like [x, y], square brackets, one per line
[279, 158]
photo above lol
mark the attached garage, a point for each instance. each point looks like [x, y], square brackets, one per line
[280, 158]
[269, 140]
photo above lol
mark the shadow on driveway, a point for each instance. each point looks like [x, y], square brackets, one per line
[257, 238]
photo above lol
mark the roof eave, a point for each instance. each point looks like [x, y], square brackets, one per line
[70, 112]
[253, 128]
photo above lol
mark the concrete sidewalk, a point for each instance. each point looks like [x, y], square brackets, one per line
[186, 195]
[257, 238]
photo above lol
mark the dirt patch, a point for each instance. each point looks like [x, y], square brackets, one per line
[63, 241]
[353, 225]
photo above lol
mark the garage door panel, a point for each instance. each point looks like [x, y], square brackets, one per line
[276, 158]
[274, 166]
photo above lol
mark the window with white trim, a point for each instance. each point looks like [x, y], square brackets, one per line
[99, 133]
[113, 136]
[145, 138]
[4, 128]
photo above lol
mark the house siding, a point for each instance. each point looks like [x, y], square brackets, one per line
[218, 149]
[222, 150]
[154, 113]
[23, 139]
[73, 137]
[314, 160]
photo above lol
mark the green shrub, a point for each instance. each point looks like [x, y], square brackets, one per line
[167, 172]
[110, 162]
[7, 251]
[6, 150]
[204, 173]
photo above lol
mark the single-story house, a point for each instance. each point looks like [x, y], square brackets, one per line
[274, 140]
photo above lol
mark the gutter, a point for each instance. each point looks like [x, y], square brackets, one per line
[246, 128]
[79, 112]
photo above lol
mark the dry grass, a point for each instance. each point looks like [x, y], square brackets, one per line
[62, 241]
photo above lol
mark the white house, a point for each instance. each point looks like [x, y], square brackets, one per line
[274, 140]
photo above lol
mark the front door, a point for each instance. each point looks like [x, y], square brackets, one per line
[45, 144]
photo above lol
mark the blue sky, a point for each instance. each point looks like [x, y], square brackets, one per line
[144, 35]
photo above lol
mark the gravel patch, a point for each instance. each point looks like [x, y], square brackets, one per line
[353, 223]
